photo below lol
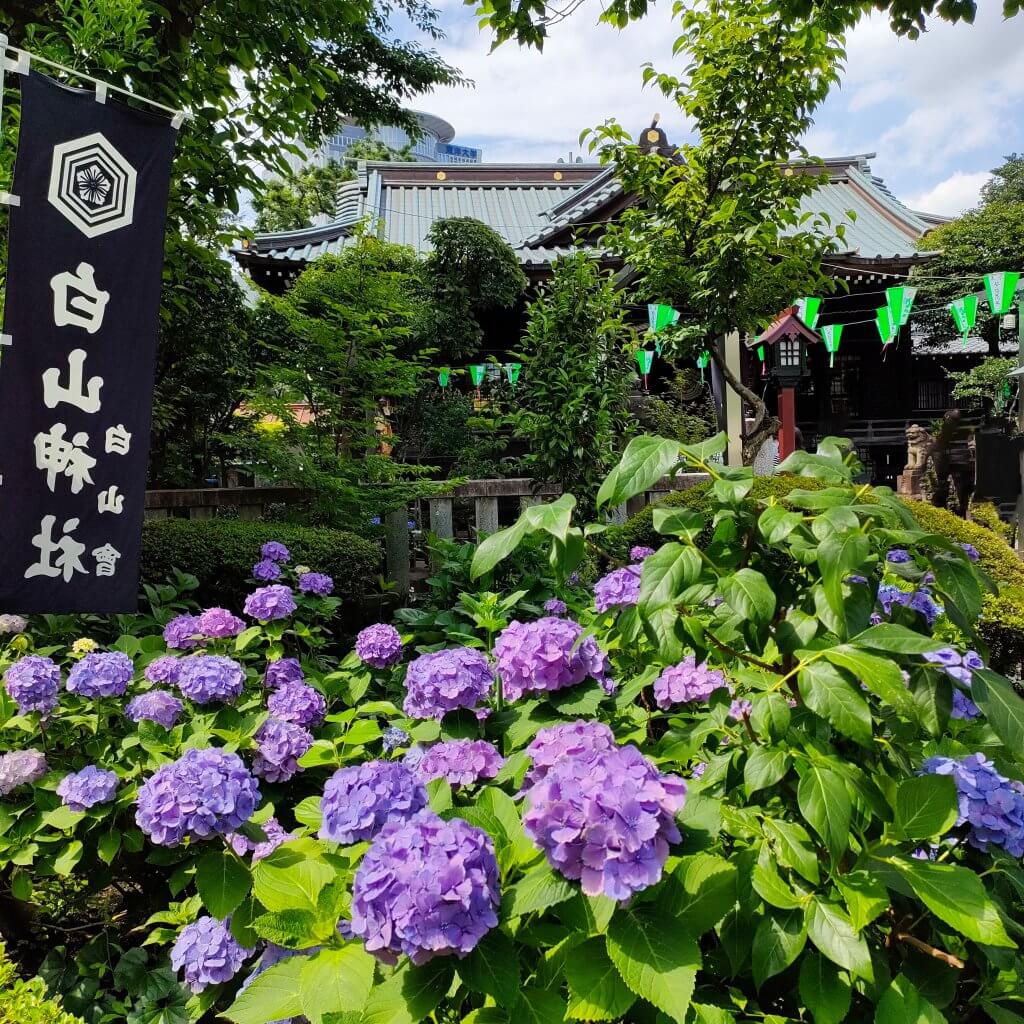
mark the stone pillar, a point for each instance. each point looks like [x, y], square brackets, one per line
[486, 516]
[442, 513]
[396, 540]
[732, 352]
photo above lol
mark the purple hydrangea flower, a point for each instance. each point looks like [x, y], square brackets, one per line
[275, 834]
[856, 578]
[360, 799]
[607, 819]
[922, 603]
[182, 632]
[991, 804]
[12, 624]
[269, 603]
[284, 670]
[898, 556]
[266, 571]
[155, 706]
[217, 623]
[275, 551]
[740, 708]
[971, 550]
[205, 678]
[20, 768]
[33, 683]
[379, 645]
[555, 606]
[640, 552]
[685, 682]
[546, 655]
[164, 669]
[394, 737]
[414, 755]
[298, 703]
[208, 953]
[426, 888]
[618, 589]
[918, 600]
[88, 787]
[963, 707]
[280, 745]
[699, 769]
[442, 681]
[461, 762]
[105, 674]
[316, 583]
[956, 665]
[203, 793]
[889, 596]
[558, 742]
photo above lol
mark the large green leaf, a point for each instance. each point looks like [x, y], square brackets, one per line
[748, 594]
[769, 885]
[824, 989]
[779, 938]
[901, 1003]
[554, 517]
[538, 889]
[826, 806]
[1003, 708]
[409, 995]
[827, 692]
[793, 847]
[701, 891]
[223, 882]
[497, 547]
[539, 1006]
[881, 676]
[957, 896]
[831, 931]
[677, 522]
[926, 806]
[896, 639]
[839, 555]
[666, 573]
[274, 995]
[764, 767]
[957, 581]
[596, 992]
[288, 880]
[336, 980]
[644, 462]
[493, 968]
[655, 958]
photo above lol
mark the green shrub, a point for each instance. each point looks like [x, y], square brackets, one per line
[220, 553]
[25, 1002]
[986, 514]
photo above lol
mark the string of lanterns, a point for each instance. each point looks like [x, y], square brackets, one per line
[478, 371]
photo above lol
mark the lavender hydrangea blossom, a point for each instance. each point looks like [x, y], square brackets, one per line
[217, 623]
[298, 703]
[204, 792]
[606, 819]
[182, 632]
[461, 762]
[12, 624]
[442, 681]
[207, 953]
[266, 571]
[270, 603]
[898, 556]
[920, 601]
[426, 888]
[740, 709]
[20, 768]
[618, 589]
[280, 745]
[685, 682]
[379, 645]
[546, 655]
[205, 678]
[640, 552]
[155, 706]
[360, 799]
[164, 669]
[956, 665]
[275, 837]
[555, 606]
[317, 583]
[991, 804]
[393, 738]
[104, 674]
[963, 707]
[86, 788]
[275, 551]
[33, 683]
[284, 670]
[971, 551]
[569, 739]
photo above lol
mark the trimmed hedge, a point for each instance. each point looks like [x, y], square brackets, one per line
[220, 553]
[25, 1002]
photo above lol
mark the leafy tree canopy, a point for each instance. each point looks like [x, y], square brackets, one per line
[290, 203]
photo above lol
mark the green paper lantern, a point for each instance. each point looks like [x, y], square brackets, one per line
[807, 309]
[512, 372]
[900, 301]
[831, 335]
[444, 377]
[760, 352]
[476, 374]
[965, 313]
[1001, 289]
[644, 360]
[660, 317]
[702, 361]
[887, 330]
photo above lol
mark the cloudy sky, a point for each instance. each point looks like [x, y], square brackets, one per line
[938, 112]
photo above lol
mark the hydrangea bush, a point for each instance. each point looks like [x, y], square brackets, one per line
[737, 780]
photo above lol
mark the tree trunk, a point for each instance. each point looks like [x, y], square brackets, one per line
[765, 424]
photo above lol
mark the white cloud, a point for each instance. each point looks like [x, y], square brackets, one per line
[953, 195]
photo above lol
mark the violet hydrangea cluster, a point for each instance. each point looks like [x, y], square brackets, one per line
[104, 674]
[298, 703]
[205, 678]
[379, 645]
[393, 738]
[920, 601]
[971, 551]
[20, 768]
[270, 603]
[958, 667]
[991, 804]
[279, 747]
[555, 606]
[569, 739]
[275, 551]
[33, 683]
[360, 799]
[317, 583]
[640, 552]
[606, 818]
[898, 556]
[546, 655]
[687, 681]
[182, 632]
[426, 888]
[86, 788]
[618, 589]
[155, 706]
[203, 793]
[207, 953]
[266, 571]
[12, 624]
[461, 762]
[275, 837]
[442, 681]
[284, 670]
[164, 669]
[217, 623]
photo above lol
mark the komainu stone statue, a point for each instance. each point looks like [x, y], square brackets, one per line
[911, 483]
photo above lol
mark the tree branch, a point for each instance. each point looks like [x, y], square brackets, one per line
[939, 954]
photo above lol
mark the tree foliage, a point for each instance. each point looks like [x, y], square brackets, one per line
[292, 202]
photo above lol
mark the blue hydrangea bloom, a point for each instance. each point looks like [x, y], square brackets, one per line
[685, 682]
[284, 670]
[164, 669]
[20, 768]
[360, 799]
[555, 606]
[205, 678]
[270, 603]
[898, 556]
[84, 789]
[207, 953]
[461, 762]
[298, 703]
[393, 738]
[442, 681]
[182, 632]
[275, 551]
[155, 706]
[105, 674]
[33, 683]
[379, 645]
[266, 571]
[316, 583]
[279, 747]
[618, 589]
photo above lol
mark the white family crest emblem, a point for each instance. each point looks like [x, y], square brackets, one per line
[92, 185]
